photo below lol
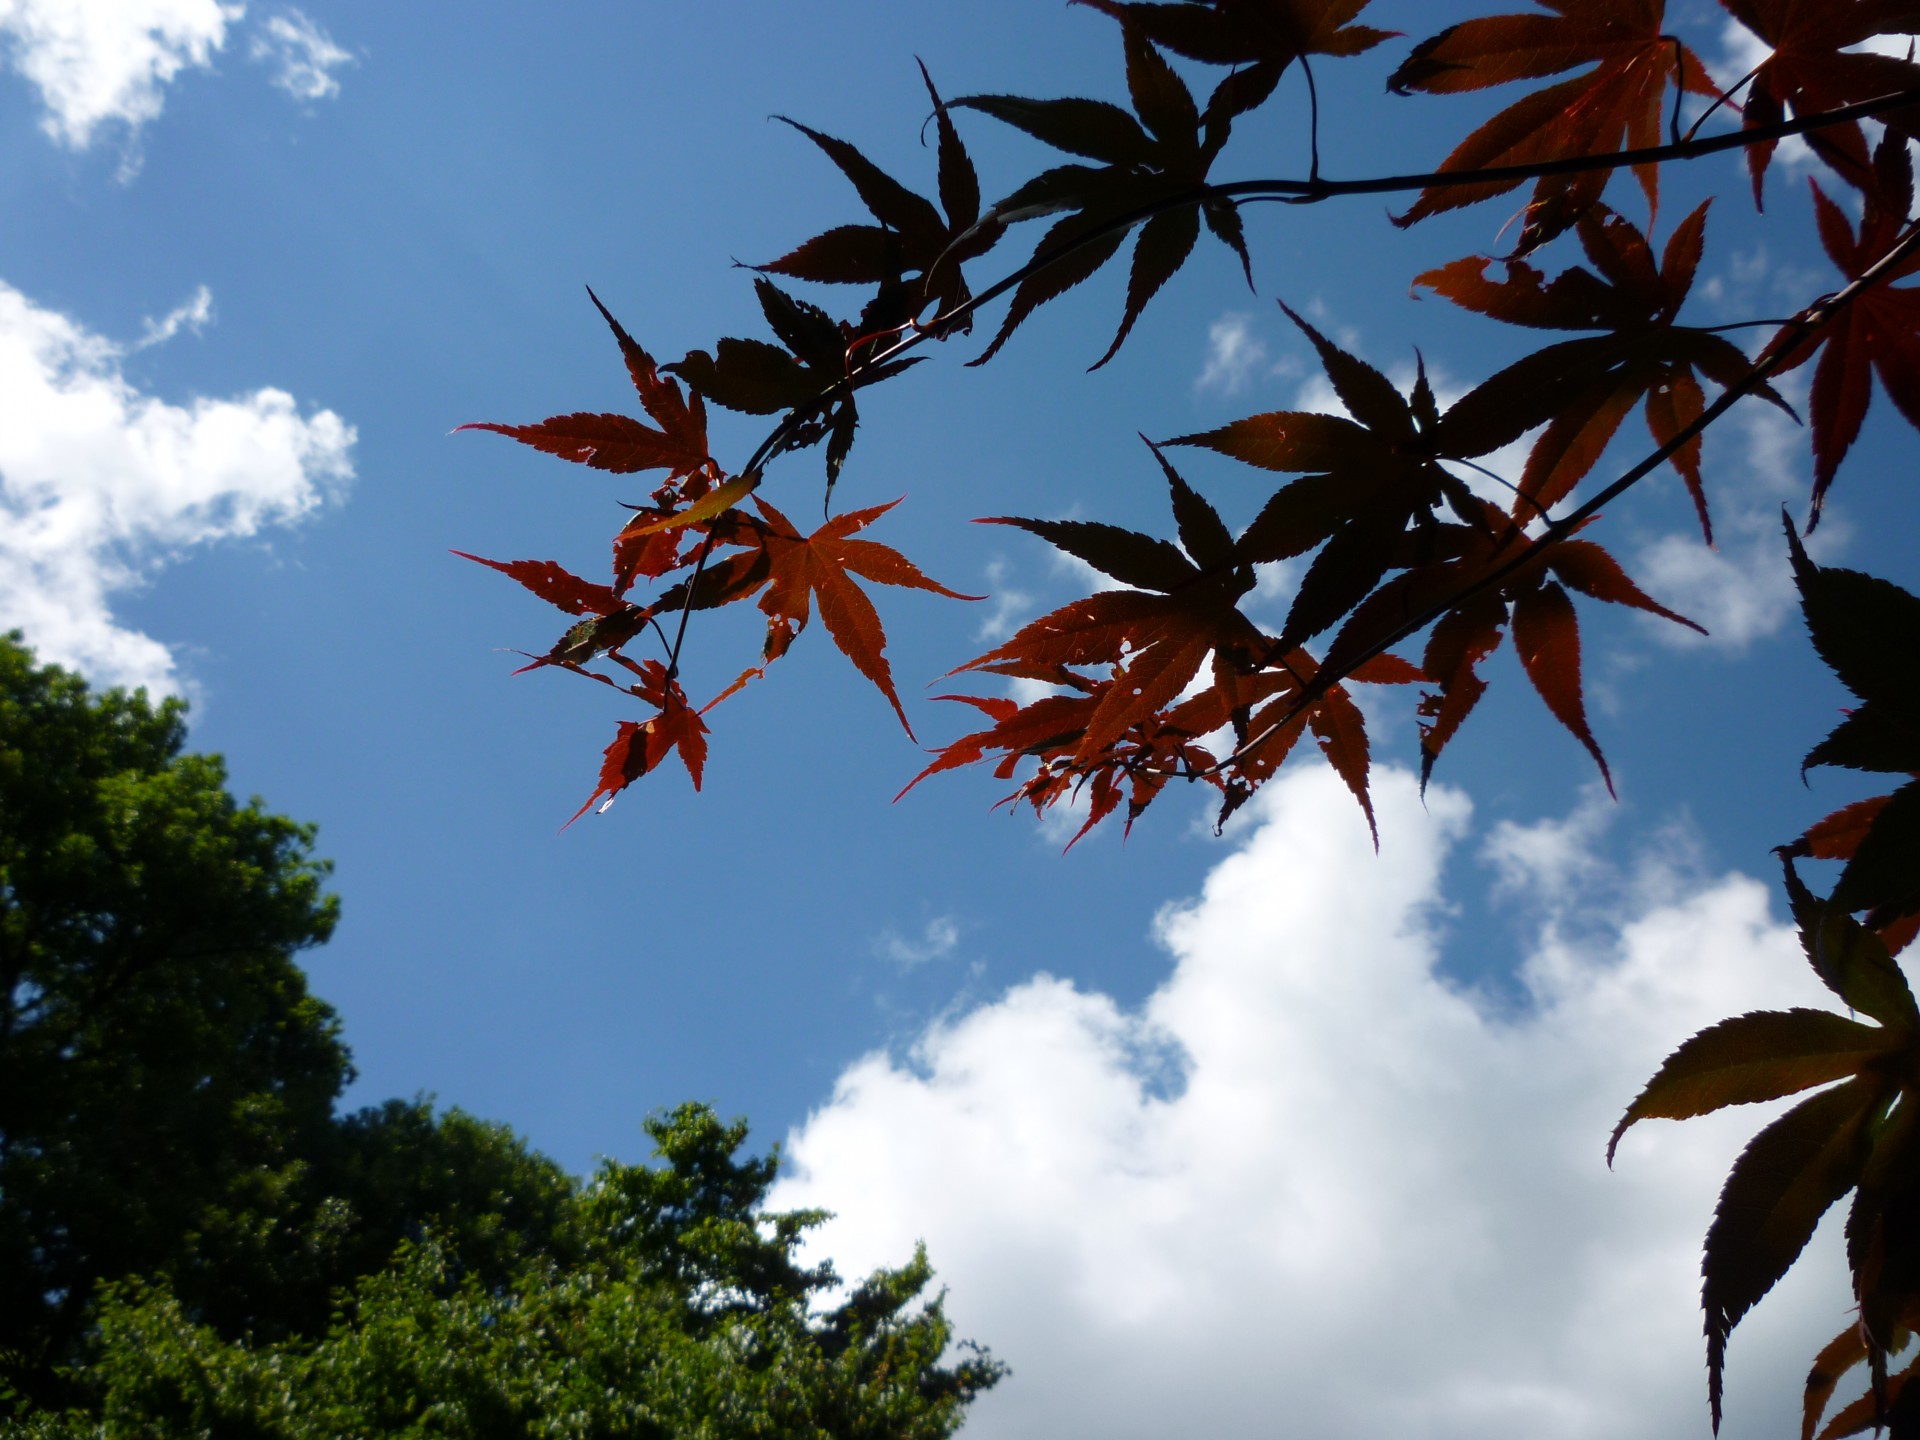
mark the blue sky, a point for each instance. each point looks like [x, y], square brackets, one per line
[257, 263]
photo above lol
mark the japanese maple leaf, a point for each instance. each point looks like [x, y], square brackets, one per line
[1812, 69]
[802, 570]
[1840, 1139]
[1868, 632]
[618, 443]
[1598, 380]
[640, 746]
[1165, 152]
[1153, 641]
[676, 443]
[1366, 479]
[1532, 598]
[913, 254]
[1616, 105]
[1878, 332]
[813, 377]
[1136, 766]
[1157, 637]
[1258, 38]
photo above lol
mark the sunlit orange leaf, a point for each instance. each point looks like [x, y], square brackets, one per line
[805, 569]
[640, 747]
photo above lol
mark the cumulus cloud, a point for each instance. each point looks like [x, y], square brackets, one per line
[303, 56]
[1743, 590]
[100, 484]
[101, 64]
[1312, 1187]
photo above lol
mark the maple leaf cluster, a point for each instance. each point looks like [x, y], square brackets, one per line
[1401, 535]
[1861, 1134]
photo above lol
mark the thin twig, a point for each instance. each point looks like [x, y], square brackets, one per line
[1313, 123]
[1308, 191]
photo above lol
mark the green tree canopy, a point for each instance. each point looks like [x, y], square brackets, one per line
[685, 1313]
[162, 1065]
[192, 1242]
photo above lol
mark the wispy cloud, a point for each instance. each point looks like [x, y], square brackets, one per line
[195, 315]
[101, 485]
[303, 55]
[1234, 355]
[936, 941]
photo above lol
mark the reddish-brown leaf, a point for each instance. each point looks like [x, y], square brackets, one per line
[1547, 635]
[1813, 67]
[555, 585]
[619, 443]
[814, 567]
[1582, 389]
[640, 746]
[1878, 333]
[1618, 104]
[1259, 38]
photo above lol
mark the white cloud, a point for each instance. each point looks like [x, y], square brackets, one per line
[1233, 354]
[1743, 590]
[1312, 1188]
[101, 484]
[195, 315]
[303, 55]
[1008, 609]
[106, 62]
[936, 941]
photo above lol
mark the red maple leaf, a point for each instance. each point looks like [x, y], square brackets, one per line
[1616, 105]
[619, 443]
[1879, 332]
[640, 746]
[1596, 381]
[801, 570]
[1813, 67]
[1532, 596]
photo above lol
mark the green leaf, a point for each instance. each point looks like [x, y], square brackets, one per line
[1761, 1056]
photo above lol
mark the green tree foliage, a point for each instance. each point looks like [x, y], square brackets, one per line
[684, 1313]
[192, 1242]
[162, 1065]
